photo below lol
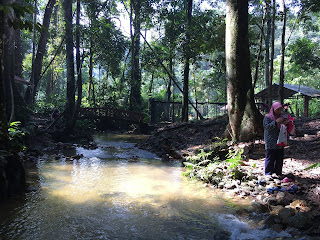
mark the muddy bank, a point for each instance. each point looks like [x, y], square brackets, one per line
[281, 205]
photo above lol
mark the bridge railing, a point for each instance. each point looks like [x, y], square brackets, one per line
[112, 113]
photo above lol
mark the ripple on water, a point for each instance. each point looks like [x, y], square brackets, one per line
[97, 197]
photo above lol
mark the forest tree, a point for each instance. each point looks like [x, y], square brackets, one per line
[244, 118]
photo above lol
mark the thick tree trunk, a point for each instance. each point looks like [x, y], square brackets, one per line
[70, 108]
[185, 111]
[3, 116]
[255, 78]
[245, 121]
[78, 59]
[135, 82]
[37, 68]
[283, 46]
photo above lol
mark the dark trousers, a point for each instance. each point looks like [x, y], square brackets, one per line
[274, 161]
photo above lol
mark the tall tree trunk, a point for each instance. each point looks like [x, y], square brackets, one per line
[8, 65]
[169, 90]
[255, 78]
[29, 92]
[135, 81]
[70, 108]
[185, 112]
[272, 52]
[78, 60]
[37, 68]
[245, 121]
[267, 44]
[91, 90]
[283, 46]
[3, 115]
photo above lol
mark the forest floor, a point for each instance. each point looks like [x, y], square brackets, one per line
[298, 211]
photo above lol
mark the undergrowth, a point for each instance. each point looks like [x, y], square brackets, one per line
[207, 166]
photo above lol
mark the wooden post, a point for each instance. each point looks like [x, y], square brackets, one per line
[306, 105]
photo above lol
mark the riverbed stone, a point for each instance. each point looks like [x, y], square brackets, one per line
[300, 220]
[259, 206]
[276, 209]
[284, 198]
[270, 200]
[270, 221]
[285, 214]
[277, 227]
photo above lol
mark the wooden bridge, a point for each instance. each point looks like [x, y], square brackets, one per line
[110, 113]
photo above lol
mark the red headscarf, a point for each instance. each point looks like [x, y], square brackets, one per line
[274, 107]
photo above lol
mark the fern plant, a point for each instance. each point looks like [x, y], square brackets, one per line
[16, 136]
[234, 158]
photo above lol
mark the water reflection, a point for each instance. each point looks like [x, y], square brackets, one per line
[103, 195]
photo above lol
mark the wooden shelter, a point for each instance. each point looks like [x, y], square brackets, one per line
[288, 91]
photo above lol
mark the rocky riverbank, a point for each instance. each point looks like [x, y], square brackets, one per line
[291, 205]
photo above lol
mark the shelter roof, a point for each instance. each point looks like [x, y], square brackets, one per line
[289, 90]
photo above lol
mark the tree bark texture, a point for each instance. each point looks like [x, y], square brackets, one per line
[185, 111]
[3, 116]
[245, 121]
[70, 108]
[135, 81]
[272, 51]
[78, 59]
[267, 44]
[255, 78]
[37, 68]
[283, 47]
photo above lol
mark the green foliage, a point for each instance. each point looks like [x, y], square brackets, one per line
[304, 53]
[201, 156]
[312, 166]
[16, 136]
[220, 142]
[20, 10]
[234, 158]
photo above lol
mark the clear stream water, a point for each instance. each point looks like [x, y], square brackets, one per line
[120, 192]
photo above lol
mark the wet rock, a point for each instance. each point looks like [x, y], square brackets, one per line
[300, 220]
[258, 206]
[285, 213]
[270, 221]
[32, 189]
[270, 200]
[77, 157]
[276, 209]
[284, 198]
[277, 227]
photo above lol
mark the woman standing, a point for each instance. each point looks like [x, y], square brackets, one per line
[274, 153]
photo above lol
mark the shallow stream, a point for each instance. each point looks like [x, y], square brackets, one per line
[120, 192]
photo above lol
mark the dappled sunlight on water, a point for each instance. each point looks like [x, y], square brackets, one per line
[118, 192]
[120, 182]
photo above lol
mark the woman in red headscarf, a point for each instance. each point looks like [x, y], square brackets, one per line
[274, 153]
